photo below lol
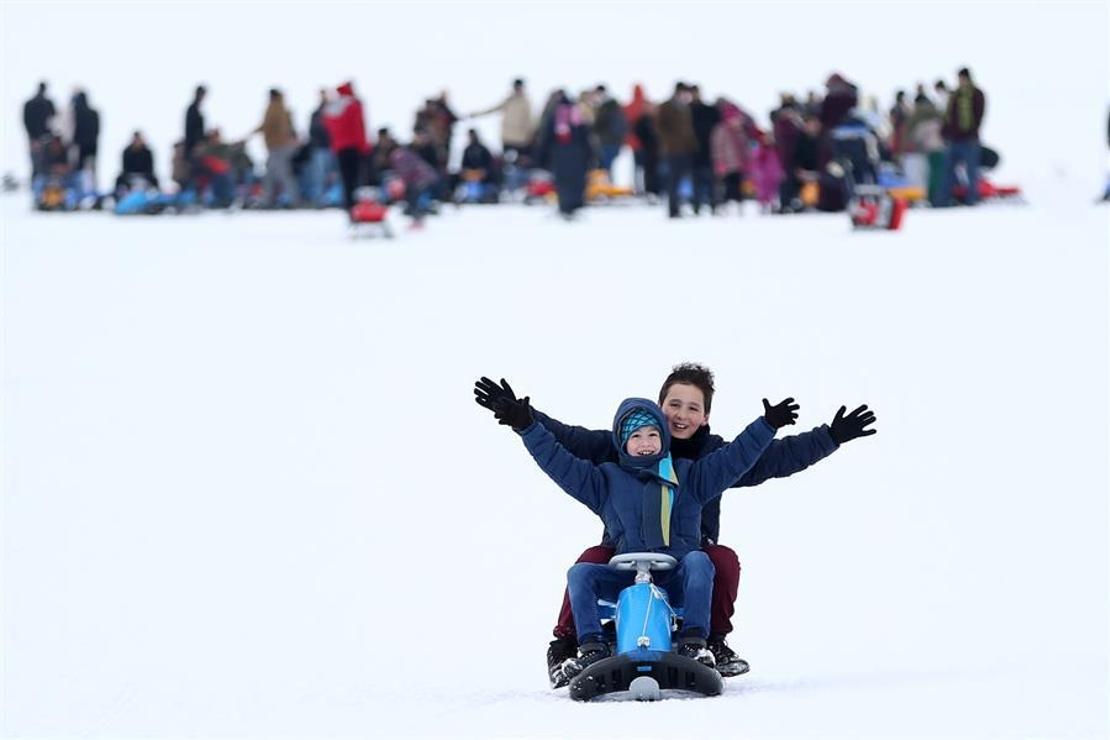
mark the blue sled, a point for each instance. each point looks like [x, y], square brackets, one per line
[645, 664]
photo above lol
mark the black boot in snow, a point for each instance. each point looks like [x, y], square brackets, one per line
[560, 649]
[728, 662]
[588, 654]
[695, 649]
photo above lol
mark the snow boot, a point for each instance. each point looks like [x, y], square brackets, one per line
[560, 649]
[588, 654]
[695, 649]
[728, 662]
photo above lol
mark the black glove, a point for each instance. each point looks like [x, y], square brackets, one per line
[846, 428]
[781, 414]
[488, 394]
[517, 414]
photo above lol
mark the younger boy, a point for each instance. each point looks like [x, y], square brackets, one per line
[649, 502]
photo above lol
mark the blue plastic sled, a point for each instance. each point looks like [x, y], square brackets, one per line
[645, 663]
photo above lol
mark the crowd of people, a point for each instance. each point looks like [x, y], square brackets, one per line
[693, 154]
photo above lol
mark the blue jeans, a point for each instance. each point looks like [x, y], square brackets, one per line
[704, 192]
[608, 153]
[689, 586]
[678, 167]
[968, 152]
[322, 169]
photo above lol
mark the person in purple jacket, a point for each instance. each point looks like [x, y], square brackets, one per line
[650, 502]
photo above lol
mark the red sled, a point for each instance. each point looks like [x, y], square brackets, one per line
[881, 212]
[988, 191]
[368, 213]
[368, 218]
[538, 190]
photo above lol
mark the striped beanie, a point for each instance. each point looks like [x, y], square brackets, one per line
[636, 419]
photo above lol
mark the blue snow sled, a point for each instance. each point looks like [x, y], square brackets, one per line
[645, 663]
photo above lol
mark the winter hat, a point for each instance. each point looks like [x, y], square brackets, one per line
[637, 419]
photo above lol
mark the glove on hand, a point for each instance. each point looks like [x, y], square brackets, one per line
[490, 394]
[517, 414]
[780, 414]
[846, 428]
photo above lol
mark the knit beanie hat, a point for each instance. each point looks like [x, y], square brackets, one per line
[637, 419]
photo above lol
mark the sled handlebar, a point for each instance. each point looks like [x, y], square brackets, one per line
[643, 563]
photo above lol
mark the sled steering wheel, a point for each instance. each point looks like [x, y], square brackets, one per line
[652, 561]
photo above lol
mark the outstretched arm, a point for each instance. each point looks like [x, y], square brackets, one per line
[796, 453]
[712, 474]
[579, 478]
[588, 444]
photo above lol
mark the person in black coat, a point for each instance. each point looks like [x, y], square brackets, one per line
[644, 129]
[565, 149]
[86, 132]
[705, 118]
[194, 122]
[802, 165]
[138, 166]
[37, 113]
[477, 158]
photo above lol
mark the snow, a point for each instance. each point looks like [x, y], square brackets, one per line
[247, 494]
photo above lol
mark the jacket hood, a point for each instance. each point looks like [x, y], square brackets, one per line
[347, 88]
[627, 406]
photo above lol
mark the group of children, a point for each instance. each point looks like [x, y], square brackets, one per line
[655, 480]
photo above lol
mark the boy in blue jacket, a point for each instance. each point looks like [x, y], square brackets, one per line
[648, 502]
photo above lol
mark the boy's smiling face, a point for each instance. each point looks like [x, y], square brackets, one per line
[684, 407]
[644, 441]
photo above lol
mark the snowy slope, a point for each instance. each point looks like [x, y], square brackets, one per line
[247, 492]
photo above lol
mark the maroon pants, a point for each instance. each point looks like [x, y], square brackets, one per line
[726, 583]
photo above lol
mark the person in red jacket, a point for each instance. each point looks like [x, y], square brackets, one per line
[346, 126]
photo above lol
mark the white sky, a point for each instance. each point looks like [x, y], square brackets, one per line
[1043, 66]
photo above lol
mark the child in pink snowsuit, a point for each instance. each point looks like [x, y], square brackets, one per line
[766, 171]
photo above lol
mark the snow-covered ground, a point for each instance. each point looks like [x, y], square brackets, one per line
[247, 492]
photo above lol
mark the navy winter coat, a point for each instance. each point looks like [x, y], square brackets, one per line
[783, 458]
[615, 490]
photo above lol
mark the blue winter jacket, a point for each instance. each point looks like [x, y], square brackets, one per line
[783, 458]
[615, 490]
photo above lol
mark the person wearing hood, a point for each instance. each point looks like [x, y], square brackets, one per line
[686, 398]
[564, 147]
[654, 502]
[346, 128]
[281, 144]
